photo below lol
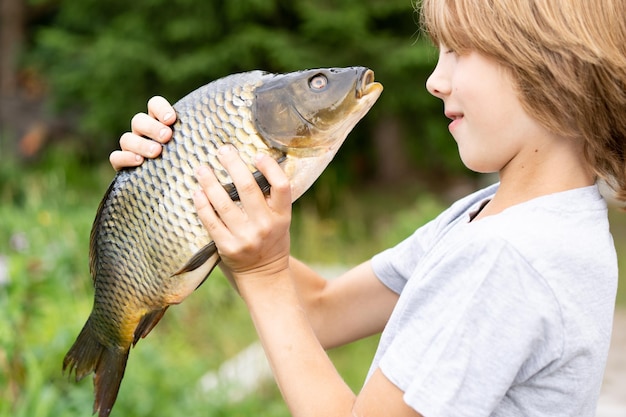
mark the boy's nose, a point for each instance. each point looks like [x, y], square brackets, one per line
[437, 84]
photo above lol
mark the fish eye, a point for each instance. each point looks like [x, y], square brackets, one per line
[318, 82]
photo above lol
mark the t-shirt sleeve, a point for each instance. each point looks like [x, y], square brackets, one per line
[394, 266]
[495, 323]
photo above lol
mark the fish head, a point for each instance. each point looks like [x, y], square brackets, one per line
[308, 114]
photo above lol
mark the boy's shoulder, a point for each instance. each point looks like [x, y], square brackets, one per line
[567, 227]
[474, 200]
[583, 207]
[464, 208]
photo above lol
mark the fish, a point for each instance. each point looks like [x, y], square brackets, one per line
[149, 250]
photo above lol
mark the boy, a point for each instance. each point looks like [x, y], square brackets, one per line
[501, 306]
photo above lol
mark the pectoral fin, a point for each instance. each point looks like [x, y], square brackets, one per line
[264, 185]
[260, 179]
[193, 273]
[198, 259]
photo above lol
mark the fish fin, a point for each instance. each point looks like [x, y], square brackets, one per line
[193, 273]
[147, 323]
[93, 247]
[232, 191]
[198, 259]
[84, 355]
[87, 354]
[107, 380]
[260, 179]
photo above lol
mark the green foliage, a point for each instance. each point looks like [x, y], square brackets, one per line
[105, 59]
[46, 295]
[360, 224]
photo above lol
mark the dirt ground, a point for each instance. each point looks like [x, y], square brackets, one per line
[613, 396]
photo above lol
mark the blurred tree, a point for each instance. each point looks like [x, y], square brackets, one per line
[105, 59]
[11, 37]
[24, 121]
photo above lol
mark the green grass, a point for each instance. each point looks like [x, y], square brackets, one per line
[45, 220]
[46, 213]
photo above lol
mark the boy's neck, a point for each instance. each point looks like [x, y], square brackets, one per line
[550, 170]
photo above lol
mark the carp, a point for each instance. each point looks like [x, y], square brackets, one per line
[148, 249]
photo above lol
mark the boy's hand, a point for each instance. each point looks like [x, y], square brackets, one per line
[252, 237]
[148, 132]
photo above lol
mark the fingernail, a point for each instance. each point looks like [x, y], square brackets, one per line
[202, 171]
[199, 198]
[259, 156]
[167, 116]
[163, 132]
[225, 149]
[198, 195]
[154, 149]
[138, 158]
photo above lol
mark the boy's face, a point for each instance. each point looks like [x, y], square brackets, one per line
[489, 124]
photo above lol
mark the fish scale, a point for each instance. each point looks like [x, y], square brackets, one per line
[149, 250]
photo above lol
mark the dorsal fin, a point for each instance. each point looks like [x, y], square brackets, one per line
[93, 241]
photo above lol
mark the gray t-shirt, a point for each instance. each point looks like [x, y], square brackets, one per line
[509, 315]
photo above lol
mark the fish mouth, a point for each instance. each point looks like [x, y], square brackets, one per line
[366, 84]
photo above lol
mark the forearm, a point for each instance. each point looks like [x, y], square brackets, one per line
[305, 375]
[343, 309]
[346, 308]
[311, 289]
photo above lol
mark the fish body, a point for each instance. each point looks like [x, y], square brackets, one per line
[148, 248]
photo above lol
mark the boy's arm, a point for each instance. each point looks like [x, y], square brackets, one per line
[253, 241]
[341, 310]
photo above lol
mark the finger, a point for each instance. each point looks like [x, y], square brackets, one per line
[145, 125]
[131, 142]
[124, 159]
[280, 191]
[226, 209]
[160, 109]
[250, 194]
[207, 215]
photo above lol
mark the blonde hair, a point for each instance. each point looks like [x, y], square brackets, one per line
[567, 57]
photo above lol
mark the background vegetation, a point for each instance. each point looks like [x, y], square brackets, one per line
[94, 64]
[72, 74]
[46, 295]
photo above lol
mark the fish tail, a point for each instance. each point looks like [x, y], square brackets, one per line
[89, 354]
[109, 374]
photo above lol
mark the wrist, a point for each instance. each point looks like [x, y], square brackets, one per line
[266, 279]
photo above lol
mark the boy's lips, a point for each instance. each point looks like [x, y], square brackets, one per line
[456, 118]
[453, 115]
